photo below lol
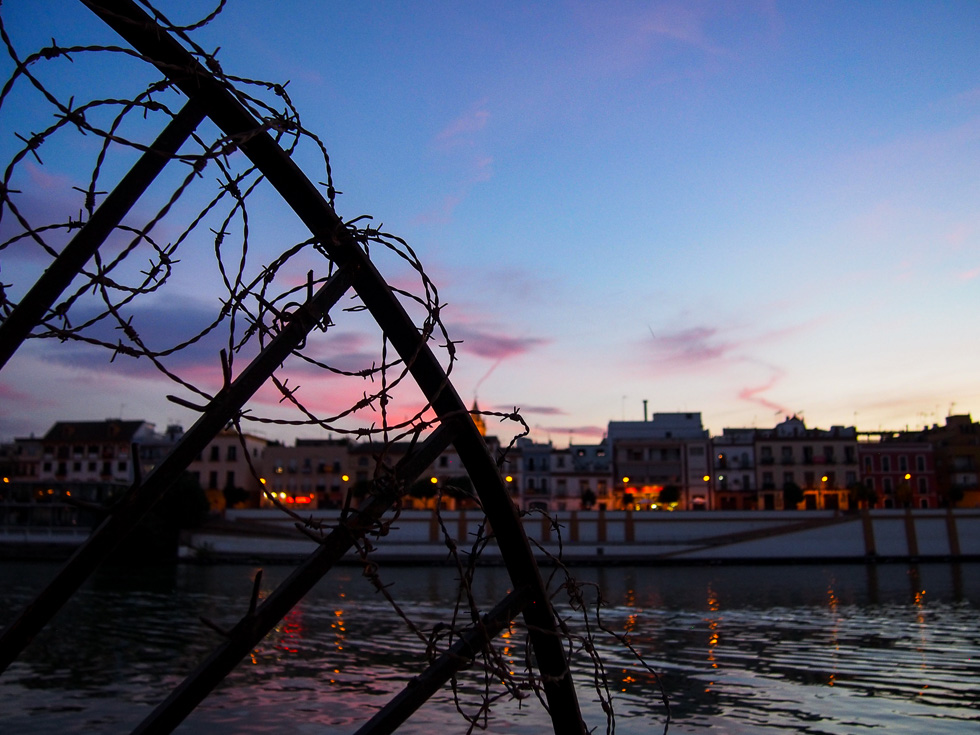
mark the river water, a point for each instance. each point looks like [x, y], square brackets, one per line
[761, 649]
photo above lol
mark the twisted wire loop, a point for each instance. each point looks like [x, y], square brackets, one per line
[129, 298]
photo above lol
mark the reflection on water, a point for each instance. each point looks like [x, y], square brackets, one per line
[841, 649]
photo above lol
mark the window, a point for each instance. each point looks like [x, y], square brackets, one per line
[121, 466]
[76, 466]
[923, 486]
[215, 453]
[920, 463]
[232, 454]
[807, 479]
[868, 464]
[886, 485]
[697, 451]
[886, 464]
[903, 463]
[230, 478]
[212, 480]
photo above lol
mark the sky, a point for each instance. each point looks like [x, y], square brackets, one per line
[744, 209]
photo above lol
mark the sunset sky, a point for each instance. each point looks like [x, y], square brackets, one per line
[743, 209]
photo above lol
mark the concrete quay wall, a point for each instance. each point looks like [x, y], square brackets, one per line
[625, 537]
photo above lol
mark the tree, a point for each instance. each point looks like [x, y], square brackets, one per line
[588, 499]
[423, 489]
[792, 495]
[234, 495]
[670, 494]
[460, 487]
[861, 495]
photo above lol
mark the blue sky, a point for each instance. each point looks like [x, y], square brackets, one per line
[743, 209]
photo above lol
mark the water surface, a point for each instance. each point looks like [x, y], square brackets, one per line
[801, 649]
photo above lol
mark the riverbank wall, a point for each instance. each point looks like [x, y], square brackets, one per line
[622, 537]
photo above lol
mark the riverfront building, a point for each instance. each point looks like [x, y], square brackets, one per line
[227, 468]
[665, 463]
[661, 463]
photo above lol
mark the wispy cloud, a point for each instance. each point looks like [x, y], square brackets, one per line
[441, 214]
[754, 394]
[462, 130]
[592, 432]
[538, 410]
[691, 347]
[494, 346]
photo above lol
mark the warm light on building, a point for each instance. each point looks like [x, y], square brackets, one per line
[262, 480]
[706, 478]
[626, 479]
[434, 480]
[345, 478]
[509, 478]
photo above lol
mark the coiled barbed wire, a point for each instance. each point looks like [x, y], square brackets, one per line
[155, 254]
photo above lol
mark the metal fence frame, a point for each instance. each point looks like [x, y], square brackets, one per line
[209, 98]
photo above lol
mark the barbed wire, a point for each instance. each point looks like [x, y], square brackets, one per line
[155, 254]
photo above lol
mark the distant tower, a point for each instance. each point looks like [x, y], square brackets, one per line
[478, 419]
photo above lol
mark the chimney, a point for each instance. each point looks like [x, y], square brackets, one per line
[645, 409]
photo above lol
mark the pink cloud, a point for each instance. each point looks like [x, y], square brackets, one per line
[958, 235]
[542, 410]
[11, 395]
[461, 130]
[496, 346]
[969, 275]
[753, 395]
[441, 214]
[583, 431]
[692, 346]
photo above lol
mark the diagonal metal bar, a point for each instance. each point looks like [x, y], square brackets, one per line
[54, 280]
[404, 704]
[298, 191]
[256, 625]
[224, 407]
